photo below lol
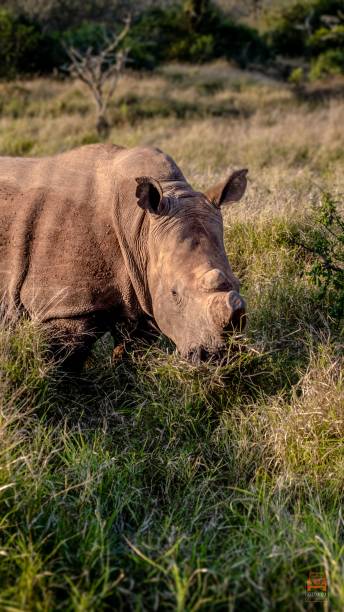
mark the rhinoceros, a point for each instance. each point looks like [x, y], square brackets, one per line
[103, 234]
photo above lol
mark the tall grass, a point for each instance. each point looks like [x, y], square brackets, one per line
[151, 484]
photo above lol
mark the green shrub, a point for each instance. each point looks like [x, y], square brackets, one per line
[285, 34]
[329, 63]
[296, 77]
[306, 28]
[240, 43]
[18, 41]
[84, 36]
[326, 38]
[323, 241]
[195, 48]
[23, 47]
[192, 32]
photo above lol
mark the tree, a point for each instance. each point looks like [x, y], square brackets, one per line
[100, 71]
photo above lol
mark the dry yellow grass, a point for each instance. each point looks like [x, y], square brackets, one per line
[225, 119]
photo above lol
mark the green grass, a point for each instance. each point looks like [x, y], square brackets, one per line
[151, 484]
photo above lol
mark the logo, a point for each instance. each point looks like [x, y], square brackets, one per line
[316, 587]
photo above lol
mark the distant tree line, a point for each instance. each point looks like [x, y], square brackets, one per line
[312, 30]
[34, 34]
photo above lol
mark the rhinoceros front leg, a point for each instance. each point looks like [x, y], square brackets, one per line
[144, 329]
[70, 340]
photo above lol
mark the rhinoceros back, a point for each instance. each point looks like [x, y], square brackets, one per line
[55, 228]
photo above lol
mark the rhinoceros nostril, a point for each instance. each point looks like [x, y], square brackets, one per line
[237, 322]
[226, 311]
[237, 310]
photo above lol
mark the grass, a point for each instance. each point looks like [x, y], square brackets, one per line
[149, 484]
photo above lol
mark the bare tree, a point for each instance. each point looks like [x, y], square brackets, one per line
[100, 71]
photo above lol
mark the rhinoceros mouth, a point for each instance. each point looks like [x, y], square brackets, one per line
[200, 354]
[217, 354]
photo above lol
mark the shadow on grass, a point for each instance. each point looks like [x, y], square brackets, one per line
[320, 92]
[133, 108]
[150, 481]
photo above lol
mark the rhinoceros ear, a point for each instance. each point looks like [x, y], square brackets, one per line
[149, 194]
[231, 190]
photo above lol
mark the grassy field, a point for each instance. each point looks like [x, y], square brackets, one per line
[149, 484]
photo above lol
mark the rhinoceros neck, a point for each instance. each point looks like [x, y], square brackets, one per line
[131, 222]
[132, 234]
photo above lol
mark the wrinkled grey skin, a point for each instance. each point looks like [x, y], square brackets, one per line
[102, 234]
[195, 295]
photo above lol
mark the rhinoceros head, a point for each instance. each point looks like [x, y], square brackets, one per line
[194, 293]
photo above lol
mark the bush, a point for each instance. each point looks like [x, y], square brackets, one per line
[326, 64]
[240, 43]
[313, 30]
[325, 38]
[296, 77]
[295, 30]
[324, 241]
[179, 33]
[23, 47]
[191, 31]
[326, 47]
[285, 34]
[18, 41]
[84, 36]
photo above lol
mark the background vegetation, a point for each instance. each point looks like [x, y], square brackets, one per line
[268, 34]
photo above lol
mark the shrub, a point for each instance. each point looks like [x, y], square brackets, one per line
[296, 77]
[84, 36]
[324, 241]
[18, 42]
[329, 63]
[23, 47]
[240, 43]
[325, 38]
[294, 30]
[192, 33]
[285, 34]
